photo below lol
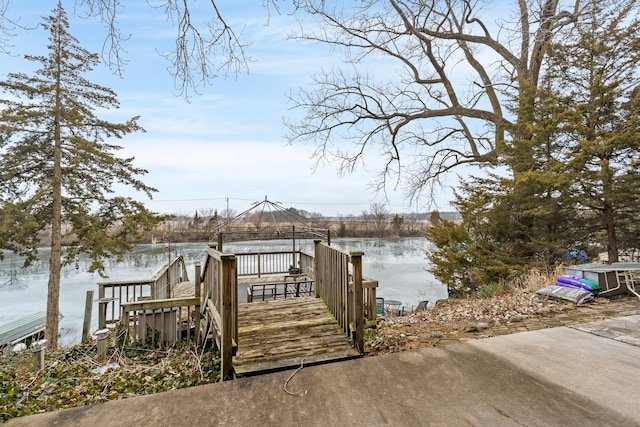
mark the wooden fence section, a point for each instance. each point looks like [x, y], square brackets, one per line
[344, 297]
[112, 294]
[220, 306]
[275, 262]
[169, 276]
[369, 287]
[306, 264]
[161, 322]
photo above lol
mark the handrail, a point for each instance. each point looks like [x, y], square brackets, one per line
[159, 304]
[269, 262]
[157, 287]
[168, 276]
[343, 296]
[220, 305]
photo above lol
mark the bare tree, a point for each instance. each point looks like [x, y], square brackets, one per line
[207, 213]
[459, 82]
[379, 212]
[365, 219]
[228, 214]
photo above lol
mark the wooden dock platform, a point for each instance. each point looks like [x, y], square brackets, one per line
[26, 328]
[281, 334]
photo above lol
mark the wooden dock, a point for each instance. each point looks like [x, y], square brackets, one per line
[28, 328]
[281, 334]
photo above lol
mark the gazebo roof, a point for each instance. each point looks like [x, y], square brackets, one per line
[270, 221]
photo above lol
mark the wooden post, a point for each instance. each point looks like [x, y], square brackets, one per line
[124, 318]
[356, 260]
[219, 248]
[373, 312]
[37, 350]
[88, 309]
[293, 251]
[234, 300]
[167, 290]
[102, 308]
[317, 275]
[102, 335]
[199, 305]
[227, 314]
[258, 264]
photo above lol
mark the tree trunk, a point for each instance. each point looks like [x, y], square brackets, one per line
[55, 260]
[608, 212]
[53, 294]
[612, 241]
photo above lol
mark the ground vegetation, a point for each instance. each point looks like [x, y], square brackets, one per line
[73, 377]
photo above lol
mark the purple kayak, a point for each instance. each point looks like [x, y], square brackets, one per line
[574, 282]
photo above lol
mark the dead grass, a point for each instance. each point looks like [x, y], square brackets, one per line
[537, 279]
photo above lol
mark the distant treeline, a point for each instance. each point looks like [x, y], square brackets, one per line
[281, 225]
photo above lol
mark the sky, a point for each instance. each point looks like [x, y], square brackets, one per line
[226, 146]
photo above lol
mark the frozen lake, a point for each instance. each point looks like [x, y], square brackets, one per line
[398, 264]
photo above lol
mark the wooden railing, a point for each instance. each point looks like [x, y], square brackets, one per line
[161, 322]
[168, 277]
[344, 297]
[369, 287]
[220, 306]
[112, 294]
[263, 263]
[306, 264]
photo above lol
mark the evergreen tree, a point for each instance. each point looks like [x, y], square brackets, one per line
[480, 249]
[572, 168]
[526, 218]
[59, 167]
[595, 72]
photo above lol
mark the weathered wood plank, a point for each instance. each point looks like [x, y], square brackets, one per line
[278, 365]
[261, 354]
[258, 355]
[301, 304]
[159, 304]
[279, 334]
[314, 337]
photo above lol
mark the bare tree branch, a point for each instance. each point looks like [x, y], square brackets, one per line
[203, 50]
[8, 26]
[424, 119]
[107, 11]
